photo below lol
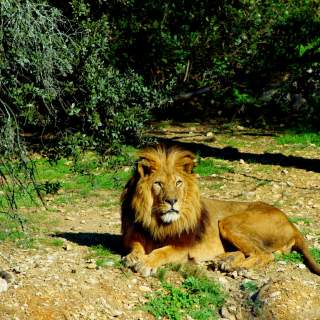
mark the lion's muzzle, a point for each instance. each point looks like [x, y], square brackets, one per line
[170, 216]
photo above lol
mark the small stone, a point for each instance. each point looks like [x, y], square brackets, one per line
[3, 285]
[241, 161]
[224, 282]
[209, 134]
[226, 314]
[290, 184]
[67, 247]
[91, 281]
[275, 294]
[91, 264]
[117, 313]
[301, 266]
[284, 171]
[145, 288]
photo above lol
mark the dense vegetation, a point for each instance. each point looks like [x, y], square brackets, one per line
[90, 74]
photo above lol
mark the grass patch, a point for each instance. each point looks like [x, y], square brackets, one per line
[104, 257]
[297, 257]
[305, 221]
[316, 253]
[198, 297]
[209, 166]
[53, 242]
[294, 257]
[303, 139]
[216, 186]
[251, 288]
[65, 179]
[233, 142]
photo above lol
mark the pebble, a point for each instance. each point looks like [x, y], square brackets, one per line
[3, 285]
[117, 313]
[226, 314]
[209, 134]
[67, 247]
[91, 264]
[145, 288]
[241, 161]
[224, 282]
[91, 281]
[301, 266]
[275, 294]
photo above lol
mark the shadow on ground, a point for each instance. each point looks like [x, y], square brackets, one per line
[89, 239]
[229, 153]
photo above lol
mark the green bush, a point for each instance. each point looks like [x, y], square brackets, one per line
[91, 74]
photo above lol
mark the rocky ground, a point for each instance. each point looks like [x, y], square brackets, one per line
[60, 280]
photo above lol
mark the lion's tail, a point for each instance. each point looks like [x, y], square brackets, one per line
[301, 246]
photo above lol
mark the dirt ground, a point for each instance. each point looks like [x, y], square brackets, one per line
[62, 282]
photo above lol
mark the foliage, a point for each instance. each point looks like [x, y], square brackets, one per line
[293, 256]
[91, 74]
[316, 253]
[210, 166]
[199, 298]
[17, 174]
[104, 257]
[303, 139]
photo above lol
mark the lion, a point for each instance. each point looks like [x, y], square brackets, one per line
[165, 220]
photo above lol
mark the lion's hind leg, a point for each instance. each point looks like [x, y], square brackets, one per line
[252, 252]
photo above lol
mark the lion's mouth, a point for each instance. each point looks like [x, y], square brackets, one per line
[170, 216]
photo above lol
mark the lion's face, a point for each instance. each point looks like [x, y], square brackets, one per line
[168, 191]
[166, 198]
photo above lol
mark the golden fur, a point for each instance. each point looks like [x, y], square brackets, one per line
[164, 220]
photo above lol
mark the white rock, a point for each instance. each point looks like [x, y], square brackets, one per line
[145, 288]
[275, 294]
[3, 285]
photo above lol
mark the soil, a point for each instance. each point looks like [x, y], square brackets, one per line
[63, 282]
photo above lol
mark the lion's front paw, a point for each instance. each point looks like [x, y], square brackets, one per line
[132, 259]
[145, 268]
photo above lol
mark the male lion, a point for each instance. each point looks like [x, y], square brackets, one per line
[164, 220]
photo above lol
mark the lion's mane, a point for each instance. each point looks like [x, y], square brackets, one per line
[137, 198]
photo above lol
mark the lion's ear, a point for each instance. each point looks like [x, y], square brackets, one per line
[188, 163]
[144, 167]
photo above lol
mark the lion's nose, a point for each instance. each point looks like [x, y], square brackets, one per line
[171, 201]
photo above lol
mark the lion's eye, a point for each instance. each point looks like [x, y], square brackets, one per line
[179, 183]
